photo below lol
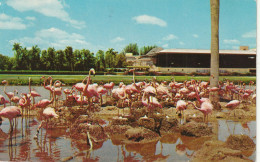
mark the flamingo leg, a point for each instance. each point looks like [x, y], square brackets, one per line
[38, 130]
[11, 125]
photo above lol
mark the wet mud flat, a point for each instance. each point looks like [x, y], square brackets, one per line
[137, 135]
[140, 132]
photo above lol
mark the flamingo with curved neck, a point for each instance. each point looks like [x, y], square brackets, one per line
[86, 91]
[206, 108]
[10, 95]
[48, 87]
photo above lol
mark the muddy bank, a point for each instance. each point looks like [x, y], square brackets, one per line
[236, 148]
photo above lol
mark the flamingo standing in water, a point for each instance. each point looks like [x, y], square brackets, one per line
[10, 112]
[3, 101]
[48, 113]
[15, 99]
[57, 91]
[23, 102]
[81, 86]
[90, 90]
[233, 104]
[44, 103]
[8, 94]
[33, 93]
[48, 87]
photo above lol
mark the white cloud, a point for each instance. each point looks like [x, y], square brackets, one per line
[9, 22]
[51, 8]
[235, 47]
[30, 18]
[117, 39]
[181, 43]
[169, 37]
[165, 45]
[251, 34]
[195, 35]
[54, 37]
[231, 41]
[146, 19]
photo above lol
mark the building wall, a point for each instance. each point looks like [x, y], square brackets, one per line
[201, 70]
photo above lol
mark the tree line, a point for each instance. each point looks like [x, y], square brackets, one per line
[68, 59]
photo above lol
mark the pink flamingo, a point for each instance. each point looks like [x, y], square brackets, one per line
[57, 91]
[181, 105]
[150, 90]
[101, 90]
[33, 93]
[109, 87]
[25, 102]
[3, 101]
[8, 94]
[192, 95]
[15, 99]
[44, 103]
[48, 87]
[119, 94]
[81, 86]
[254, 98]
[90, 90]
[184, 92]
[162, 90]
[10, 112]
[48, 113]
[68, 93]
[233, 104]
[206, 108]
[150, 102]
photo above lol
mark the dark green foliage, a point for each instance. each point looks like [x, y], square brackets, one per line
[131, 48]
[145, 49]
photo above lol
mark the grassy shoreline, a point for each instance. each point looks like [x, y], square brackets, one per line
[23, 79]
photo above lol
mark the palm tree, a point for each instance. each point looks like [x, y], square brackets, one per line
[17, 48]
[214, 64]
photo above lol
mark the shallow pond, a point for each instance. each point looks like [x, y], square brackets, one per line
[55, 144]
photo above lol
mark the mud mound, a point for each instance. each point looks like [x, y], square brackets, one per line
[217, 151]
[195, 129]
[240, 142]
[193, 115]
[84, 124]
[119, 121]
[170, 138]
[116, 129]
[140, 135]
[147, 122]
[169, 125]
[242, 113]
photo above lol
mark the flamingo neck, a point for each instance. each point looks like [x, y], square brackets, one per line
[30, 91]
[194, 106]
[88, 82]
[5, 88]
[53, 96]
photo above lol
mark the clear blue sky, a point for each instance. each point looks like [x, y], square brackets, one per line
[103, 24]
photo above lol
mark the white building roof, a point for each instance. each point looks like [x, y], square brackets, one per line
[202, 51]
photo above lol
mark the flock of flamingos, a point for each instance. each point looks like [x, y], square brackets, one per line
[151, 95]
